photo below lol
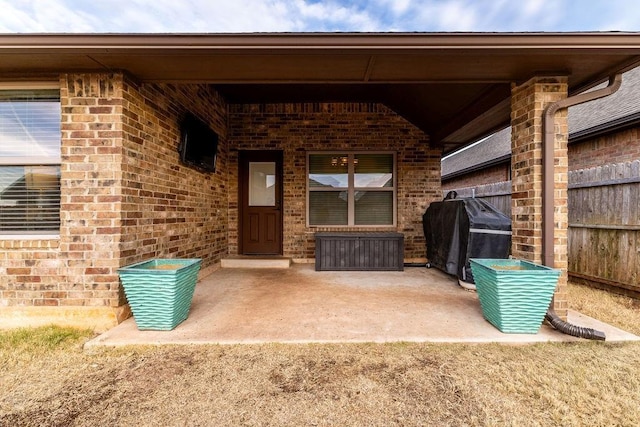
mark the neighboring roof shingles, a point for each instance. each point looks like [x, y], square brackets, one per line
[584, 120]
[624, 103]
[494, 149]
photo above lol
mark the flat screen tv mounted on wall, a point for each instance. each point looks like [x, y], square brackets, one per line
[198, 145]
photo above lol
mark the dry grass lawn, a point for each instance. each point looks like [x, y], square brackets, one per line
[47, 380]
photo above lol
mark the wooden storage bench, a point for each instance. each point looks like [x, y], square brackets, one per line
[359, 251]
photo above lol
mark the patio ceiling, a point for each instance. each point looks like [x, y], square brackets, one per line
[454, 86]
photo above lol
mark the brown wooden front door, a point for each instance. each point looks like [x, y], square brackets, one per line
[260, 202]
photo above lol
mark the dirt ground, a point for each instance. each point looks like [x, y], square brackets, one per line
[59, 384]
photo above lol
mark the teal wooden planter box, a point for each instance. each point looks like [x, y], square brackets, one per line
[514, 294]
[160, 291]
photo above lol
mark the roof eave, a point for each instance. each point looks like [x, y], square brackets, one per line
[381, 41]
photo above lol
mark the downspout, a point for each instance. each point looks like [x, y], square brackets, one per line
[548, 159]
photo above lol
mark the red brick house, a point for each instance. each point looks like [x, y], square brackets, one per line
[91, 177]
[604, 180]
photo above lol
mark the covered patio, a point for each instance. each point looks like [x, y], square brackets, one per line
[126, 194]
[301, 305]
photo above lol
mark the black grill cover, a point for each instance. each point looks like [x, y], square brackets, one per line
[459, 229]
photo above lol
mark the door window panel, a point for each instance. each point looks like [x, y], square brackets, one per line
[262, 183]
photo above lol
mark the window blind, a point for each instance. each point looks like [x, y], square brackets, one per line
[29, 161]
[29, 199]
[351, 189]
[29, 126]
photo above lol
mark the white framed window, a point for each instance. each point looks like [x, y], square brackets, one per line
[30, 161]
[351, 189]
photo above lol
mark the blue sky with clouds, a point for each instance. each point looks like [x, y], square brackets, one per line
[219, 16]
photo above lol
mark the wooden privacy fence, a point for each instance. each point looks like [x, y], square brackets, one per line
[604, 223]
[498, 194]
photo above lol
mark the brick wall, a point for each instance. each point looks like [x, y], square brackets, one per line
[619, 147]
[124, 198]
[30, 273]
[168, 209]
[299, 128]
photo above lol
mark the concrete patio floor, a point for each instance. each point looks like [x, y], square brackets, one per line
[301, 305]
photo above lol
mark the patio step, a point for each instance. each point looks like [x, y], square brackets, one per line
[255, 262]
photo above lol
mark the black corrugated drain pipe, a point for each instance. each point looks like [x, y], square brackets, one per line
[573, 330]
[548, 197]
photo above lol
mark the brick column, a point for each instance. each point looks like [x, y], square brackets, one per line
[90, 230]
[528, 102]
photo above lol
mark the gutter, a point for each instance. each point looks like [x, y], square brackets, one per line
[548, 158]
[471, 41]
[548, 199]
